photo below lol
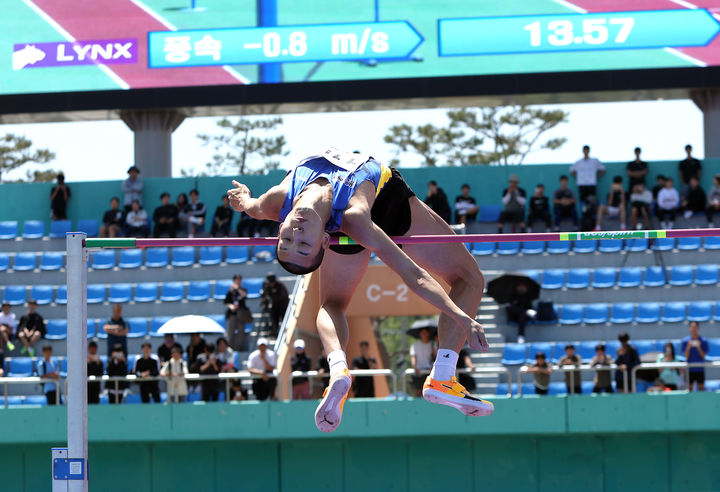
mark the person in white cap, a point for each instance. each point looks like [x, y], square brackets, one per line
[262, 362]
[300, 362]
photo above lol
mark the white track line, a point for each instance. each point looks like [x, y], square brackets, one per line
[685, 57]
[570, 6]
[115, 77]
[685, 4]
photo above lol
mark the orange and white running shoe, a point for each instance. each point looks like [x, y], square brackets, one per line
[329, 413]
[454, 394]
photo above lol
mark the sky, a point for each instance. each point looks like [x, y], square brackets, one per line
[613, 130]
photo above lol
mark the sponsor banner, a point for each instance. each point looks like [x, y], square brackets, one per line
[65, 53]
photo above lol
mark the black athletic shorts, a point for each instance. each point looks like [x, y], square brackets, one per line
[390, 212]
[696, 377]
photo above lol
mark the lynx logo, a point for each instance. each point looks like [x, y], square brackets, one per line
[100, 52]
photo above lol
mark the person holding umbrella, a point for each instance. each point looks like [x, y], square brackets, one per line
[518, 292]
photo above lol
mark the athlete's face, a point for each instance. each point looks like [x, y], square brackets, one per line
[301, 237]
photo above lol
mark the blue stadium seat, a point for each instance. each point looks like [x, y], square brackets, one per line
[15, 295]
[56, 329]
[59, 228]
[585, 246]
[43, 294]
[103, 260]
[156, 323]
[193, 397]
[120, 293]
[688, 243]
[586, 349]
[557, 388]
[172, 292]
[716, 315]
[131, 358]
[535, 347]
[35, 400]
[712, 242]
[51, 261]
[264, 253]
[713, 349]
[610, 245]
[489, 213]
[237, 254]
[553, 279]
[25, 262]
[603, 278]
[707, 274]
[4, 261]
[253, 286]
[612, 347]
[700, 311]
[183, 256]
[146, 292]
[61, 294]
[630, 277]
[533, 247]
[156, 257]
[8, 229]
[137, 327]
[199, 290]
[130, 258]
[674, 312]
[132, 398]
[508, 248]
[12, 401]
[33, 229]
[483, 249]
[100, 332]
[96, 293]
[622, 313]
[637, 245]
[533, 274]
[21, 367]
[88, 226]
[218, 318]
[578, 278]
[712, 385]
[91, 328]
[664, 244]
[655, 276]
[681, 275]
[514, 354]
[648, 312]
[571, 314]
[643, 346]
[595, 313]
[211, 255]
[558, 247]
[221, 288]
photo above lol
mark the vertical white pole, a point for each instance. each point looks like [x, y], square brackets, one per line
[76, 397]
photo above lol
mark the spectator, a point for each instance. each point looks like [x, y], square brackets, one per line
[564, 204]
[262, 363]
[300, 362]
[573, 379]
[323, 369]
[640, 203]
[668, 202]
[7, 328]
[181, 205]
[31, 328]
[615, 205]
[437, 201]
[422, 355]
[713, 200]
[694, 202]
[208, 364]
[659, 185]
[174, 371]
[466, 209]
[586, 172]
[237, 314]
[225, 355]
[517, 309]
[94, 368]
[59, 196]
[195, 211]
[246, 225]
[164, 352]
[136, 221]
[636, 171]
[148, 366]
[275, 300]
[513, 199]
[364, 387]
[670, 377]
[464, 378]
[165, 217]
[695, 348]
[541, 371]
[222, 219]
[117, 330]
[117, 367]
[113, 220]
[237, 392]
[195, 348]
[626, 359]
[540, 208]
[602, 380]
[132, 188]
[688, 168]
[48, 368]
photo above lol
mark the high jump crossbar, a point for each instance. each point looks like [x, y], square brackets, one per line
[418, 239]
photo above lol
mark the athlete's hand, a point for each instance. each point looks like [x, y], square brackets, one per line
[238, 196]
[476, 335]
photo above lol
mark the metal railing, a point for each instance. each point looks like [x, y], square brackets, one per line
[477, 370]
[670, 365]
[353, 372]
[571, 369]
[30, 380]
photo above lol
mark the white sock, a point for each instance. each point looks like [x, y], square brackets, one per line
[445, 364]
[337, 362]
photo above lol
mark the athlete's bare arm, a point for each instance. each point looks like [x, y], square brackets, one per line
[266, 207]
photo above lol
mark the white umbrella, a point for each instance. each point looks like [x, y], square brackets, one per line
[191, 324]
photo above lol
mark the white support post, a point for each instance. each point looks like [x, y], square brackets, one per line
[76, 397]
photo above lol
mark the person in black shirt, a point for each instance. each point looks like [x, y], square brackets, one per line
[59, 196]
[695, 200]
[165, 218]
[688, 168]
[194, 349]
[116, 330]
[195, 213]
[364, 386]
[113, 219]
[207, 363]
[627, 358]
[659, 185]
[300, 362]
[164, 352]
[466, 209]
[539, 207]
[116, 367]
[221, 220]
[437, 201]
[275, 301]
[31, 328]
[564, 204]
[237, 314]
[246, 225]
[148, 366]
[517, 309]
[94, 368]
[636, 171]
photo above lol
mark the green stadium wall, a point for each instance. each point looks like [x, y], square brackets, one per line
[30, 201]
[603, 443]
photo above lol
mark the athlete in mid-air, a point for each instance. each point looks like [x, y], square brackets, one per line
[351, 194]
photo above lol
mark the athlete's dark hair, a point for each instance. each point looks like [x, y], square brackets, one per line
[301, 270]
